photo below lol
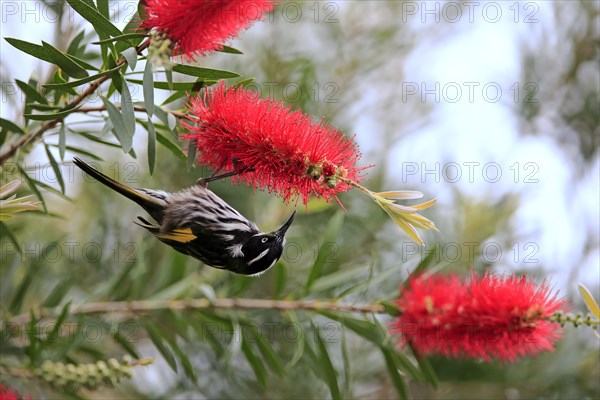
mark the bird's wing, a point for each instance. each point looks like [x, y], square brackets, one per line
[180, 235]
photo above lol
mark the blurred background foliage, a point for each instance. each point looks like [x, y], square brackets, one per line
[343, 61]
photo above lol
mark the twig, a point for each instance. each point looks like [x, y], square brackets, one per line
[28, 137]
[144, 306]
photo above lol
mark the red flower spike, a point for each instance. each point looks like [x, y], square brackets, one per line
[199, 27]
[279, 149]
[488, 317]
[7, 393]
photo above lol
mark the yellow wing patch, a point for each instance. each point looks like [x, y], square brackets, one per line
[183, 235]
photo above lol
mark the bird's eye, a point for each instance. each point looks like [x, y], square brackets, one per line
[264, 240]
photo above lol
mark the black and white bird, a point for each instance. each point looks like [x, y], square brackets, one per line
[197, 222]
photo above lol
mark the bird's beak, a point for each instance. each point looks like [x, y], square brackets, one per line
[280, 233]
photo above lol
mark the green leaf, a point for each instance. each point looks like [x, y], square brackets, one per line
[5, 230]
[30, 48]
[191, 156]
[426, 368]
[118, 125]
[98, 20]
[169, 75]
[62, 141]
[84, 152]
[397, 379]
[331, 233]
[337, 279]
[169, 144]
[20, 292]
[255, 362]
[32, 185]
[347, 370]
[151, 146]
[55, 168]
[188, 368]
[173, 97]
[103, 8]
[53, 335]
[300, 343]
[10, 126]
[269, 354]
[74, 45]
[31, 92]
[185, 86]
[589, 300]
[57, 294]
[42, 107]
[65, 63]
[148, 84]
[125, 342]
[124, 38]
[281, 276]
[79, 82]
[230, 50]
[362, 328]
[131, 56]
[127, 110]
[160, 345]
[172, 122]
[51, 116]
[329, 372]
[203, 73]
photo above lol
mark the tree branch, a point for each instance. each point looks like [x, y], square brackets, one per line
[30, 136]
[144, 306]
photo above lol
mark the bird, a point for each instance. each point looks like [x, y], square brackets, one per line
[198, 223]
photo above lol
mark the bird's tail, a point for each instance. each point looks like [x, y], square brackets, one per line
[152, 205]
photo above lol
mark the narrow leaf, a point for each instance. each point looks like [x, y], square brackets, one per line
[151, 146]
[5, 230]
[51, 116]
[65, 63]
[118, 125]
[10, 126]
[191, 156]
[230, 50]
[255, 363]
[53, 335]
[204, 73]
[79, 82]
[58, 293]
[329, 372]
[148, 84]
[131, 56]
[127, 110]
[124, 37]
[30, 48]
[397, 379]
[31, 92]
[98, 20]
[62, 141]
[185, 86]
[55, 168]
[32, 185]
[161, 346]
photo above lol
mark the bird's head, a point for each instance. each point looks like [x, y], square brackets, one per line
[261, 251]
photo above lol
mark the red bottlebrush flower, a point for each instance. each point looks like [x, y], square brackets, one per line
[198, 27]
[7, 393]
[280, 149]
[487, 317]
